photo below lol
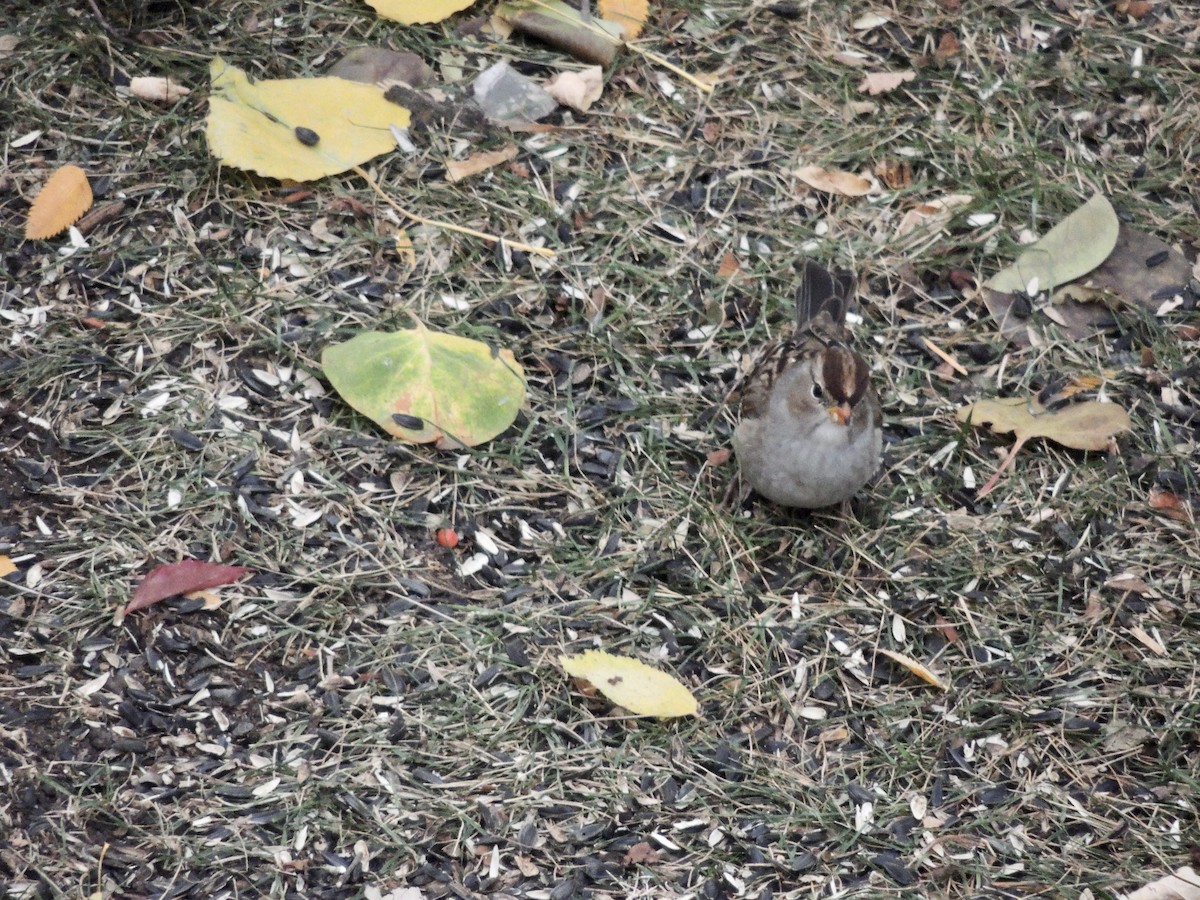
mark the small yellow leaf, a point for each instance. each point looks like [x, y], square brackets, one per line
[59, 204]
[298, 128]
[7, 566]
[1080, 426]
[915, 667]
[404, 248]
[632, 684]
[629, 14]
[418, 12]
[832, 181]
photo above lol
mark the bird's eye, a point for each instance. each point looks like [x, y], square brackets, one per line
[817, 391]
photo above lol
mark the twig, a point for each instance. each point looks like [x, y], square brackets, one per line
[461, 229]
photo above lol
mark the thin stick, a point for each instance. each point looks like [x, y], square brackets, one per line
[945, 357]
[659, 61]
[461, 229]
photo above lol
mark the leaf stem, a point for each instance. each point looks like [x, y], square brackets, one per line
[448, 226]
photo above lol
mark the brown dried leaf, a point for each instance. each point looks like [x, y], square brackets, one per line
[381, 66]
[729, 265]
[1169, 504]
[59, 204]
[949, 632]
[719, 457]
[1141, 269]
[640, 854]
[947, 47]
[895, 173]
[182, 577]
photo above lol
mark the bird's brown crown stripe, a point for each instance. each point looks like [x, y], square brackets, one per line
[846, 376]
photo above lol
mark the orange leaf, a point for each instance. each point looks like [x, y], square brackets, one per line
[7, 566]
[59, 204]
[629, 14]
[729, 266]
[947, 46]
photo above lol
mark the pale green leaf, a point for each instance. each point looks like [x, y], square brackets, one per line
[1069, 250]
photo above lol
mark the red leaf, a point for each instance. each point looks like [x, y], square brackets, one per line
[182, 577]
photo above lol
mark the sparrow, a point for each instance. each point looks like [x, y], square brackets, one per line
[810, 430]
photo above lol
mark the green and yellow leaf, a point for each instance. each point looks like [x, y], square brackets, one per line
[425, 386]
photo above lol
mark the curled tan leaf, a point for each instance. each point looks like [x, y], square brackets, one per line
[833, 181]
[876, 83]
[156, 89]
[921, 671]
[578, 90]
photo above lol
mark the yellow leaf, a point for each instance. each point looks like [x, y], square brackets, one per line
[405, 249]
[832, 181]
[629, 14]
[7, 566]
[418, 12]
[298, 128]
[632, 684]
[59, 204]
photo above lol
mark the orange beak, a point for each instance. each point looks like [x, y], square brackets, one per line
[840, 413]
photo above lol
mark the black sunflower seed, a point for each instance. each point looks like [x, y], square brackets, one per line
[412, 423]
